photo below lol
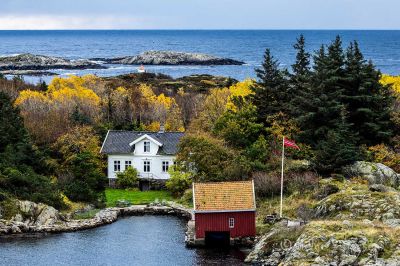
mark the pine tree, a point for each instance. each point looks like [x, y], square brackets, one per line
[301, 68]
[15, 147]
[321, 107]
[368, 102]
[300, 78]
[271, 91]
[337, 149]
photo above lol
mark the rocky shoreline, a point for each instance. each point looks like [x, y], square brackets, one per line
[170, 58]
[46, 219]
[23, 64]
[42, 62]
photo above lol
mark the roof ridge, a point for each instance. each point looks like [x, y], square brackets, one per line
[134, 131]
[219, 182]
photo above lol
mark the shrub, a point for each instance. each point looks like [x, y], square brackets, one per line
[128, 178]
[385, 155]
[269, 184]
[179, 181]
[187, 197]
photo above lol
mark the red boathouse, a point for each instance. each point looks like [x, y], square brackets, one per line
[224, 210]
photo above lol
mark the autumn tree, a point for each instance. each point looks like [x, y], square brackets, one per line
[19, 161]
[81, 174]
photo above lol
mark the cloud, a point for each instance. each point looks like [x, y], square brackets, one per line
[49, 22]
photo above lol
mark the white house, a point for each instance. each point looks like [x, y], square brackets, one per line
[151, 153]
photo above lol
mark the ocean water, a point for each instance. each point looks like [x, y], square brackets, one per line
[382, 47]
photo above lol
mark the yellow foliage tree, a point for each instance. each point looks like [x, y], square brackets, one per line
[47, 115]
[394, 81]
[240, 89]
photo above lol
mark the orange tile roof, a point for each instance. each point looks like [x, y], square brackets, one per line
[224, 196]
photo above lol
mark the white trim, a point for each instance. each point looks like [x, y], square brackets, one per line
[101, 149]
[143, 137]
[231, 219]
[221, 211]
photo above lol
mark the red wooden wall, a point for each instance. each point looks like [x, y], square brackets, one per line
[245, 223]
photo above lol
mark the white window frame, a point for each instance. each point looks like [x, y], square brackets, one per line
[164, 166]
[231, 222]
[117, 166]
[146, 166]
[146, 144]
[128, 163]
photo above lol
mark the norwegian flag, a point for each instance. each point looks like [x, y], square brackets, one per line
[290, 143]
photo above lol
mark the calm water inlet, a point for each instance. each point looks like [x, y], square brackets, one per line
[137, 240]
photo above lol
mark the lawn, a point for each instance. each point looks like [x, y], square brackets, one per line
[135, 197]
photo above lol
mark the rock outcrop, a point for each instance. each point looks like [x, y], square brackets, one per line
[40, 218]
[170, 58]
[375, 173]
[42, 62]
[357, 224]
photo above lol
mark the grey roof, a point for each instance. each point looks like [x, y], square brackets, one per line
[118, 141]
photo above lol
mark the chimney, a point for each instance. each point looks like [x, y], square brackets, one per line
[162, 129]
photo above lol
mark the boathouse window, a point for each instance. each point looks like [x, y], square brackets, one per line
[128, 164]
[231, 222]
[165, 166]
[117, 166]
[146, 166]
[146, 146]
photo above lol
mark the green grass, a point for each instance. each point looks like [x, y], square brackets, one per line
[135, 197]
[86, 215]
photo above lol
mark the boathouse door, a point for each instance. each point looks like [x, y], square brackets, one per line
[217, 239]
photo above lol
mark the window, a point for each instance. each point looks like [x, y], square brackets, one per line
[117, 166]
[165, 166]
[146, 166]
[128, 164]
[231, 222]
[146, 146]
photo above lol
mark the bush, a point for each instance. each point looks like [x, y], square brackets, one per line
[385, 155]
[86, 181]
[179, 181]
[269, 184]
[128, 178]
[187, 197]
[25, 184]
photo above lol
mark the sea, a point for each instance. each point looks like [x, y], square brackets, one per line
[382, 47]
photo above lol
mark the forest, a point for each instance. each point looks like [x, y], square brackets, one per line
[333, 102]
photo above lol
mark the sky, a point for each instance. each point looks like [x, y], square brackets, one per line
[199, 14]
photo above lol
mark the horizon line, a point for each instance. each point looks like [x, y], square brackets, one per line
[211, 29]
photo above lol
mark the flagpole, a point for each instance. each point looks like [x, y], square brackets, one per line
[283, 159]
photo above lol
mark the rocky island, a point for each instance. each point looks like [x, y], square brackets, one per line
[29, 62]
[170, 58]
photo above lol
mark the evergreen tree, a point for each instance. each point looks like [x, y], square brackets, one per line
[18, 160]
[301, 68]
[300, 78]
[271, 91]
[336, 150]
[15, 146]
[321, 104]
[368, 102]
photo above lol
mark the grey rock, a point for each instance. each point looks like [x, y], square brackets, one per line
[380, 188]
[42, 62]
[171, 58]
[375, 173]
